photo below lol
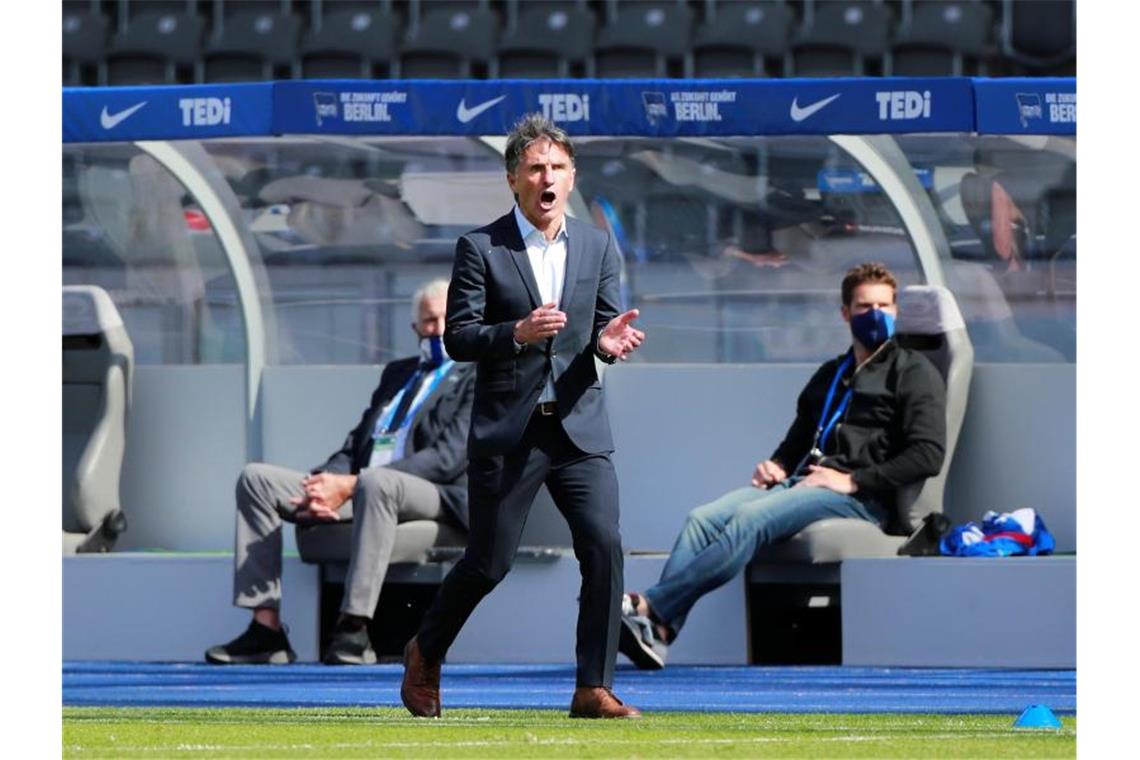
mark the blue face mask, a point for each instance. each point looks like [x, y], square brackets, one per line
[873, 327]
[432, 351]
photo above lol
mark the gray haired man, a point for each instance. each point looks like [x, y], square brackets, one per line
[405, 460]
[534, 298]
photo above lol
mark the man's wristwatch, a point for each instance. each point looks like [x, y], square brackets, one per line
[601, 354]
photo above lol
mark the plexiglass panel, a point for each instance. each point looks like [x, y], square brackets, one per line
[347, 230]
[1008, 208]
[131, 228]
[734, 248]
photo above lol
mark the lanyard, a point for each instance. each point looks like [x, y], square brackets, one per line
[825, 425]
[385, 420]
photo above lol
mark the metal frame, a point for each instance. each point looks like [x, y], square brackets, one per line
[189, 163]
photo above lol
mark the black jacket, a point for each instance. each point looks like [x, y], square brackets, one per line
[892, 433]
[492, 287]
[436, 447]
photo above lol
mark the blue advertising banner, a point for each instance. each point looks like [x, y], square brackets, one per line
[98, 114]
[845, 181]
[649, 107]
[638, 107]
[1030, 106]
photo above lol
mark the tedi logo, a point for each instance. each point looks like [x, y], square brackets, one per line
[903, 104]
[565, 106]
[204, 112]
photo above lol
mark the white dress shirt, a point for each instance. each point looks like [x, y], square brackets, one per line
[548, 262]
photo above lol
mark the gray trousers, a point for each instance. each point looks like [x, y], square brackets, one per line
[382, 498]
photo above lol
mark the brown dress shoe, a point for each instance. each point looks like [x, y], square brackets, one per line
[420, 689]
[600, 702]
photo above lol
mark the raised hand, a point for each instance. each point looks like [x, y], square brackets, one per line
[620, 338]
[542, 323]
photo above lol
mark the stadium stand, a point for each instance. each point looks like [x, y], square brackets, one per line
[98, 364]
[942, 39]
[743, 39]
[842, 39]
[350, 44]
[644, 39]
[118, 42]
[565, 29]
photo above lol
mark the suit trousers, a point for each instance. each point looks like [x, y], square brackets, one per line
[501, 491]
[382, 499]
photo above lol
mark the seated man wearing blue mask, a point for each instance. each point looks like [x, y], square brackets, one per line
[868, 422]
[405, 460]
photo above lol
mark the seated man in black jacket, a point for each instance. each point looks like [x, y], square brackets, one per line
[866, 423]
[405, 460]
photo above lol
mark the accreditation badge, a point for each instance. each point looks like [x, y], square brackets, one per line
[383, 449]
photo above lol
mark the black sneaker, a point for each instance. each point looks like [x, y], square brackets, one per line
[638, 640]
[259, 645]
[350, 646]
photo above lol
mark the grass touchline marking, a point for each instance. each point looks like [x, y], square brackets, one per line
[533, 740]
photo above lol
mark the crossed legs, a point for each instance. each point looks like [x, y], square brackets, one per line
[382, 499]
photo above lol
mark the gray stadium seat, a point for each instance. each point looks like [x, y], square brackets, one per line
[325, 543]
[155, 48]
[929, 320]
[251, 45]
[547, 41]
[98, 362]
[450, 43]
[84, 44]
[646, 39]
[940, 37]
[741, 38]
[352, 44]
[1041, 36]
[841, 38]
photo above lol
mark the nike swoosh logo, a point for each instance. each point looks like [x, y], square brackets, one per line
[799, 114]
[465, 114]
[110, 121]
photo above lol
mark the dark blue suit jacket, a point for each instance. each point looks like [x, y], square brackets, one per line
[492, 288]
[435, 449]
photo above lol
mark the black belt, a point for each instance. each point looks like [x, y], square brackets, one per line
[547, 408]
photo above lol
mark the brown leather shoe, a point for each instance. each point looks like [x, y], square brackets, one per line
[600, 702]
[420, 689]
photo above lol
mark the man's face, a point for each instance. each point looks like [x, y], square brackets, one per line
[871, 295]
[542, 181]
[431, 317]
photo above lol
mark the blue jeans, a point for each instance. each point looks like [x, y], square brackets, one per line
[719, 538]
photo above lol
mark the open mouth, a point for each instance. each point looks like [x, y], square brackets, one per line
[547, 199]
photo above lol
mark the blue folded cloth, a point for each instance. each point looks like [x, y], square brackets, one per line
[1021, 532]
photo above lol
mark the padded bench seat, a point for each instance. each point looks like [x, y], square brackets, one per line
[332, 542]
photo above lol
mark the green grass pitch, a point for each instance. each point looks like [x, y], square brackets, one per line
[388, 732]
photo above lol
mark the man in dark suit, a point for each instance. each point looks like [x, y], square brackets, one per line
[534, 299]
[405, 460]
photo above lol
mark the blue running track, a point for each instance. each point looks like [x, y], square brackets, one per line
[804, 689]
